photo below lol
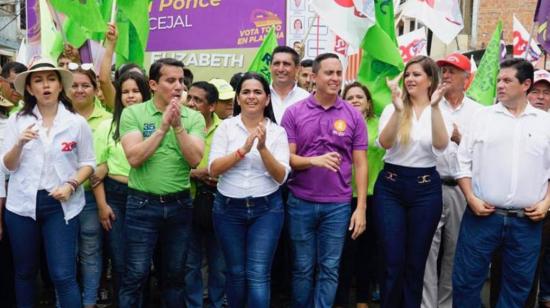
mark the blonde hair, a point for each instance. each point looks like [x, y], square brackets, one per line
[431, 69]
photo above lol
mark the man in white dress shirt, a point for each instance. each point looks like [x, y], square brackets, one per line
[437, 291]
[285, 92]
[504, 167]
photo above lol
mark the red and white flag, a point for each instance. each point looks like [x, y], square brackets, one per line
[413, 44]
[346, 19]
[443, 17]
[520, 42]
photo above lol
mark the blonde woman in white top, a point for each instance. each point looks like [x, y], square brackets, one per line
[250, 154]
[407, 193]
[48, 153]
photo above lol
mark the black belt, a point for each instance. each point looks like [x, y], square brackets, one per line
[184, 194]
[449, 182]
[519, 213]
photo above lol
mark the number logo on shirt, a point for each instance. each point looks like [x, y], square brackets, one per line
[148, 129]
[68, 146]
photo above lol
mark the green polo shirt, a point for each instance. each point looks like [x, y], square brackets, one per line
[110, 152]
[207, 145]
[374, 157]
[96, 118]
[166, 171]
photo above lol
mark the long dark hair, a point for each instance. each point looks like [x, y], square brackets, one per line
[268, 111]
[30, 101]
[143, 87]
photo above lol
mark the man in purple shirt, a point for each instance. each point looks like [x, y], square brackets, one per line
[326, 136]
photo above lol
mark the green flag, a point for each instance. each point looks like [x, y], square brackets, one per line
[105, 8]
[484, 87]
[128, 47]
[381, 58]
[84, 12]
[262, 60]
[137, 13]
[49, 34]
[132, 21]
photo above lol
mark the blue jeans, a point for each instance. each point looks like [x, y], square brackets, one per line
[519, 239]
[407, 209]
[148, 221]
[60, 243]
[544, 291]
[116, 194]
[248, 231]
[317, 234]
[90, 250]
[202, 243]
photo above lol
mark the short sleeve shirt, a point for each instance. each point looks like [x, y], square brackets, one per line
[110, 152]
[317, 131]
[166, 171]
[99, 115]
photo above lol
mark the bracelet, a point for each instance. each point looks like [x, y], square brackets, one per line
[73, 183]
[239, 154]
[179, 130]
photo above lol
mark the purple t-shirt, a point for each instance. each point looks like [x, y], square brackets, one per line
[317, 131]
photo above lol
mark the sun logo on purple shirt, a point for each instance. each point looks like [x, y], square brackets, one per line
[340, 125]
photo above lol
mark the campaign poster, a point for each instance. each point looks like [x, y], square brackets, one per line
[214, 38]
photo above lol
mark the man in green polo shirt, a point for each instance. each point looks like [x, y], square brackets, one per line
[162, 142]
[202, 96]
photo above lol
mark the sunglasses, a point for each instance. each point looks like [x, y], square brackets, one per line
[84, 66]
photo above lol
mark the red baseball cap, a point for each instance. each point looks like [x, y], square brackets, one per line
[542, 75]
[457, 60]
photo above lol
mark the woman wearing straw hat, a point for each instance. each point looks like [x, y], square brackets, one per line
[48, 152]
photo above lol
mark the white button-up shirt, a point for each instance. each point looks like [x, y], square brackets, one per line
[73, 149]
[507, 157]
[279, 106]
[3, 123]
[447, 165]
[420, 152]
[249, 177]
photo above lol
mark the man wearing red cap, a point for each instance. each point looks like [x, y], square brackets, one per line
[437, 292]
[539, 96]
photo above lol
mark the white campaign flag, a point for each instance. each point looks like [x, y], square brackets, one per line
[349, 19]
[443, 17]
[22, 52]
[473, 65]
[413, 44]
[521, 40]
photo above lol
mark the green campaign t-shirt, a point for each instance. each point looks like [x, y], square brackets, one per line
[166, 171]
[374, 156]
[207, 145]
[96, 118]
[110, 152]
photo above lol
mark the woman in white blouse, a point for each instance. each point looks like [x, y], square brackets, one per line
[250, 155]
[408, 190]
[48, 152]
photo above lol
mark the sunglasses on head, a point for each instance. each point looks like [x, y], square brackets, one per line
[84, 66]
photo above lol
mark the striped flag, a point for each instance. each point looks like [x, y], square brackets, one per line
[354, 61]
